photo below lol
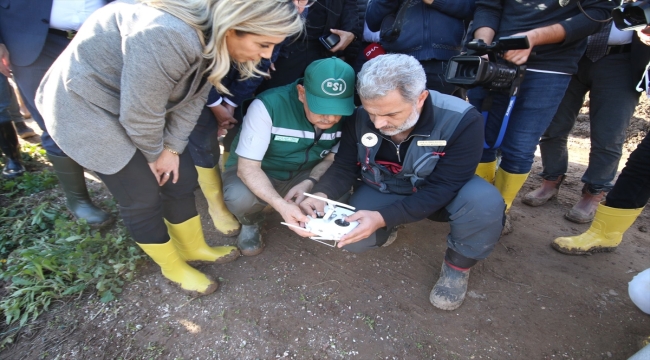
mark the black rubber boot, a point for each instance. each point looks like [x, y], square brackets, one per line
[449, 292]
[11, 148]
[71, 177]
[249, 240]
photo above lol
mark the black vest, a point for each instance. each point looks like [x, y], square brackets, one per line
[423, 153]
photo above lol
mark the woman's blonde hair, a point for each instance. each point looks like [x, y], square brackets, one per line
[213, 18]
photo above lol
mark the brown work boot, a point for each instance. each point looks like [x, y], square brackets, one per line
[546, 192]
[584, 211]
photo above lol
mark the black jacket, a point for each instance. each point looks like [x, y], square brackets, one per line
[454, 169]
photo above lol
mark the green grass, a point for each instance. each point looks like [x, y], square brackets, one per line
[46, 256]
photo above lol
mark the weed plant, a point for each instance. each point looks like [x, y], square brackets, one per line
[46, 256]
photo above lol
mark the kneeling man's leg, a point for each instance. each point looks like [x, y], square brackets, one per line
[247, 208]
[476, 219]
[367, 198]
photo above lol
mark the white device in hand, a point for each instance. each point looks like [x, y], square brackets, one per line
[332, 225]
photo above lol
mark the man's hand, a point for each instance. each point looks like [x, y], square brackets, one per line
[223, 112]
[298, 191]
[644, 35]
[5, 64]
[346, 39]
[165, 167]
[292, 214]
[520, 56]
[551, 34]
[313, 207]
[369, 222]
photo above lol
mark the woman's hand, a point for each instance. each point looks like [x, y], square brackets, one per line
[165, 167]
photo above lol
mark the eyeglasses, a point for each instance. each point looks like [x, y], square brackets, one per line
[304, 3]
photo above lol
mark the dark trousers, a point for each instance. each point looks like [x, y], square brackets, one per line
[143, 204]
[613, 97]
[203, 143]
[632, 189]
[29, 77]
[5, 100]
[475, 217]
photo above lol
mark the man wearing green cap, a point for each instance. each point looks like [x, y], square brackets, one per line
[287, 141]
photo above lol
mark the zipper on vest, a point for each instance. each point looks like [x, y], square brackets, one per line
[399, 158]
[307, 155]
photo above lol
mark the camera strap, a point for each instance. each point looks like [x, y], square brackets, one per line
[485, 107]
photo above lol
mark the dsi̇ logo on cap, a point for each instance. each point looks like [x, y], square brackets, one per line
[333, 87]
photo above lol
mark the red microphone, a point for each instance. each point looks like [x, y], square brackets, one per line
[373, 50]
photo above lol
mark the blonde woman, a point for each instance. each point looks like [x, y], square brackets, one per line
[124, 96]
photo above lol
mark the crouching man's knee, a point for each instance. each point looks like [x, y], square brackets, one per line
[237, 196]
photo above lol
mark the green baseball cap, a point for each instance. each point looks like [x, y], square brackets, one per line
[329, 86]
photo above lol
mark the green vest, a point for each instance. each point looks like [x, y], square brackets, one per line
[293, 146]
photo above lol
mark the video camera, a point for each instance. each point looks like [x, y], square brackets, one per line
[495, 73]
[632, 15]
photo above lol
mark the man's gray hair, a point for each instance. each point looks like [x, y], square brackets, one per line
[386, 73]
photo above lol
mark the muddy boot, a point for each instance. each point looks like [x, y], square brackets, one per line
[23, 130]
[449, 291]
[391, 238]
[190, 242]
[210, 183]
[174, 268]
[11, 148]
[584, 211]
[509, 185]
[604, 234]
[487, 171]
[250, 240]
[544, 193]
[507, 225]
[71, 177]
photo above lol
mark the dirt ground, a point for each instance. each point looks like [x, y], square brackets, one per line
[303, 300]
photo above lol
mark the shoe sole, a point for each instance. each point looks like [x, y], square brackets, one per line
[232, 233]
[447, 306]
[27, 135]
[577, 220]
[253, 252]
[535, 202]
[595, 250]
[194, 293]
[232, 256]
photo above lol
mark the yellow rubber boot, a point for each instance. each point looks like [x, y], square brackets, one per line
[177, 270]
[224, 159]
[210, 182]
[190, 242]
[604, 235]
[487, 170]
[509, 185]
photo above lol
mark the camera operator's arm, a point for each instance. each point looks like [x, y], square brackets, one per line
[485, 33]
[551, 34]
[487, 18]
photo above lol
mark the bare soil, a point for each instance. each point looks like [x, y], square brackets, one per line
[303, 300]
